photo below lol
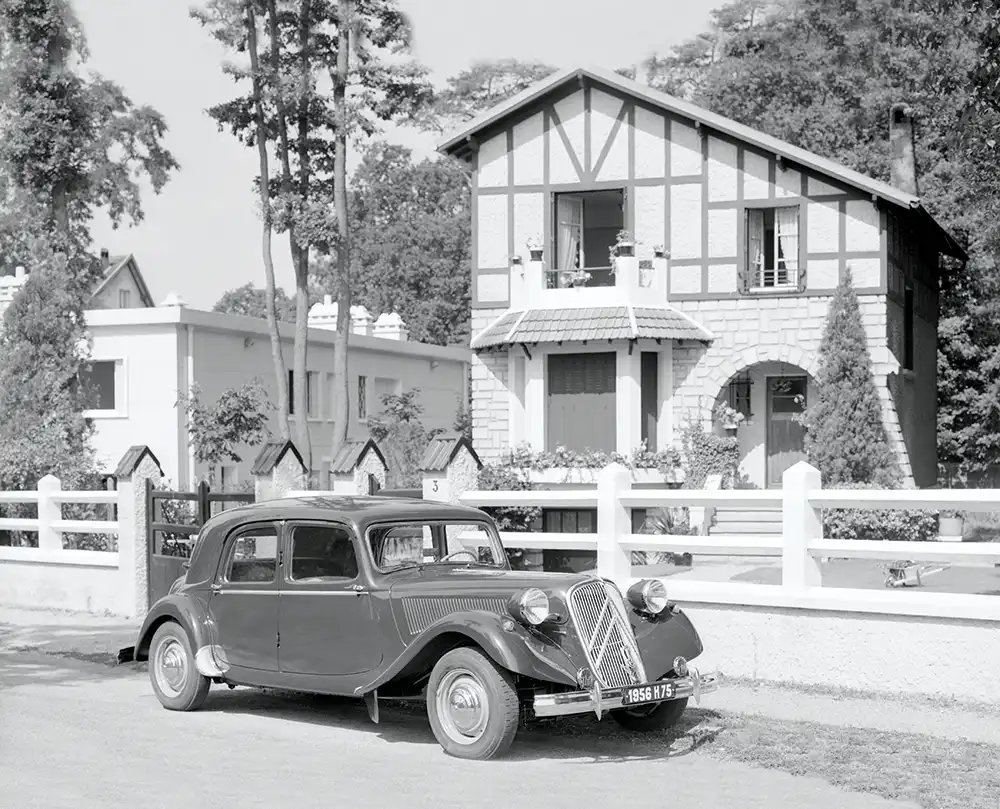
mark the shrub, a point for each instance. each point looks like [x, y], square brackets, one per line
[891, 525]
[402, 437]
[707, 454]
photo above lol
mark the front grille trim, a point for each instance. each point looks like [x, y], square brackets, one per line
[601, 623]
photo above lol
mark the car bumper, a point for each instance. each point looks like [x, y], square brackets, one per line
[577, 702]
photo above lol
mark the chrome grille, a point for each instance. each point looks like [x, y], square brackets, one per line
[421, 612]
[603, 627]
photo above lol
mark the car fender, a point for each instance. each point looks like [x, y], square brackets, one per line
[516, 648]
[663, 638]
[191, 613]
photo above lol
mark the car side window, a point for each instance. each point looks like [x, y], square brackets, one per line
[254, 556]
[322, 553]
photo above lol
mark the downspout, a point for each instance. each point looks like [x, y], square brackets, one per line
[190, 387]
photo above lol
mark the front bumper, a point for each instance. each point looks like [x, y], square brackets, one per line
[577, 702]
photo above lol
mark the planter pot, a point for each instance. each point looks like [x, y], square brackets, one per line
[626, 249]
[950, 528]
[579, 283]
[730, 429]
[536, 255]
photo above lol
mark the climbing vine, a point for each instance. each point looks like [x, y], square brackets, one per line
[707, 454]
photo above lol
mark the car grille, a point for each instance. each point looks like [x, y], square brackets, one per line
[603, 627]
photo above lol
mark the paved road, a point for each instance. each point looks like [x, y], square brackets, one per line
[77, 735]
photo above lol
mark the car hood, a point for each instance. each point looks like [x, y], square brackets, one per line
[479, 581]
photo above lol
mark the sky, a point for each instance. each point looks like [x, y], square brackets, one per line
[201, 235]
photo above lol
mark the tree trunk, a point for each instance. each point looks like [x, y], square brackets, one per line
[281, 378]
[343, 405]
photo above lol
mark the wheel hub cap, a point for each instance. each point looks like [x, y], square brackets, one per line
[463, 706]
[171, 667]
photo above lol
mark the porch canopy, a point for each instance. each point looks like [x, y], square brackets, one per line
[579, 324]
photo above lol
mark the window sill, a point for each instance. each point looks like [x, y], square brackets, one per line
[104, 415]
[783, 289]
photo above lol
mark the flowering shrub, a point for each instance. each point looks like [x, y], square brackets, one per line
[888, 525]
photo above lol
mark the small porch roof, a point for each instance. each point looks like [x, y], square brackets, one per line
[578, 324]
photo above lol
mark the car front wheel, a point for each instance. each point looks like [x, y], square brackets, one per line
[646, 718]
[472, 705]
[177, 683]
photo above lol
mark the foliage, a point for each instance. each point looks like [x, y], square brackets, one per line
[250, 301]
[411, 242]
[707, 454]
[498, 477]
[463, 422]
[238, 419]
[891, 525]
[483, 85]
[402, 437]
[846, 438]
[522, 457]
[665, 522]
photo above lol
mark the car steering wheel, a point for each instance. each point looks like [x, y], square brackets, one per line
[474, 556]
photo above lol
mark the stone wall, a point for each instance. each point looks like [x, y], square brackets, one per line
[490, 412]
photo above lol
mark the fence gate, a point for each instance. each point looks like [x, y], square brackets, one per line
[173, 520]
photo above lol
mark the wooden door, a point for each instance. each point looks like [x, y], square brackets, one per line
[786, 398]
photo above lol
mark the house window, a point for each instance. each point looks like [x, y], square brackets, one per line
[384, 387]
[908, 329]
[123, 298]
[739, 394]
[363, 398]
[312, 394]
[581, 402]
[773, 247]
[586, 227]
[100, 383]
[649, 385]
[291, 392]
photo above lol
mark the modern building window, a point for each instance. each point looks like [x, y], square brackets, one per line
[363, 398]
[312, 394]
[586, 228]
[99, 381]
[383, 386]
[581, 402]
[773, 247]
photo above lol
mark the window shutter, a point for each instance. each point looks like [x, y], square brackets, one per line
[743, 271]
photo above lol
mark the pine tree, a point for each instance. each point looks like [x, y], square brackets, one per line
[846, 438]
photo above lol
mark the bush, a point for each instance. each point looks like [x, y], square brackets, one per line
[707, 454]
[889, 525]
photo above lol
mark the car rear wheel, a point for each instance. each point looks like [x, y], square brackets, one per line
[472, 705]
[646, 718]
[177, 683]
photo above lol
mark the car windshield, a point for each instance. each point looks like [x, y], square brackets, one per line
[428, 542]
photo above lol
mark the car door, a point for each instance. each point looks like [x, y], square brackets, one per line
[244, 598]
[326, 614]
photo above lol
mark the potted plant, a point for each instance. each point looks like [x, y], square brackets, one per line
[660, 251]
[729, 417]
[950, 523]
[535, 248]
[576, 278]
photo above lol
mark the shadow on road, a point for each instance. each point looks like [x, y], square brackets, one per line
[28, 666]
[581, 738]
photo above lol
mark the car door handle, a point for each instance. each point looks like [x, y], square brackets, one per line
[215, 588]
[358, 588]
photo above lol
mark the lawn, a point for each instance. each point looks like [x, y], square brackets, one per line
[929, 771]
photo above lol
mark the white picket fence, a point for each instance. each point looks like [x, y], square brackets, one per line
[801, 546]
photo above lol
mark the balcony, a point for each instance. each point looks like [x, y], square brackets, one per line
[778, 279]
[629, 281]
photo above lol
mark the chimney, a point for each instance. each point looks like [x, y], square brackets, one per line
[903, 162]
[105, 257]
[390, 326]
[324, 315]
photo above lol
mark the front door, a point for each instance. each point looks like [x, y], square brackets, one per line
[244, 599]
[786, 399]
[326, 614]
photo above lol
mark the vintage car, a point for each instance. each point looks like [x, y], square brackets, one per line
[388, 598]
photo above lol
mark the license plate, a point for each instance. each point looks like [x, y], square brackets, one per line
[650, 692]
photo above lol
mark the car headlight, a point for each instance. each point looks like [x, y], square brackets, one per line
[648, 595]
[530, 606]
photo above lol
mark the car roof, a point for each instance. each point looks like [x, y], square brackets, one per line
[358, 510]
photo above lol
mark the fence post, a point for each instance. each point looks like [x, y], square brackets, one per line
[614, 523]
[279, 468]
[801, 523]
[48, 512]
[136, 467]
[449, 468]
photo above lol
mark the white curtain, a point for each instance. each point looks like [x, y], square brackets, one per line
[569, 214]
[787, 226]
[755, 244]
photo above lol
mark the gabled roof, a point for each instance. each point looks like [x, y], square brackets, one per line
[569, 324]
[270, 456]
[350, 455]
[116, 266]
[459, 143]
[442, 450]
[132, 458]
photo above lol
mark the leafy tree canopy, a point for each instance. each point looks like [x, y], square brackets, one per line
[250, 301]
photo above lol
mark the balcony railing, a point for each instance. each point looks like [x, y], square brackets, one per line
[775, 279]
[563, 279]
